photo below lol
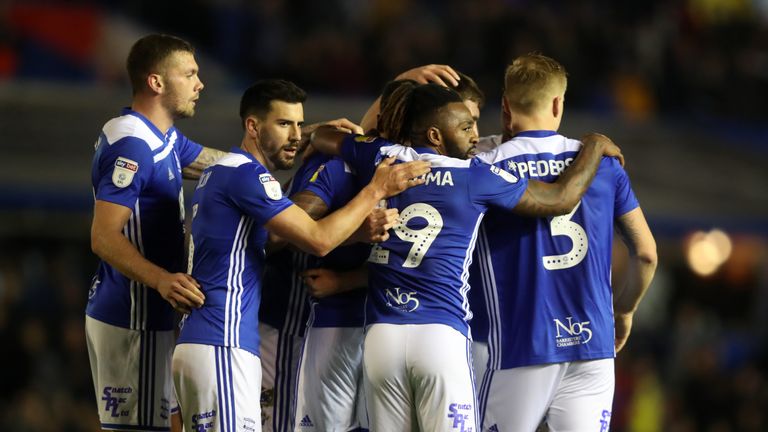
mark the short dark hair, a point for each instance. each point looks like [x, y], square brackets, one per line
[148, 54]
[257, 99]
[468, 90]
[411, 109]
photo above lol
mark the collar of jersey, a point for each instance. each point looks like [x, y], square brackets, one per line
[424, 149]
[238, 150]
[536, 134]
[152, 127]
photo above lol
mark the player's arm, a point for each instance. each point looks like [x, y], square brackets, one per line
[313, 206]
[342, 125]
[323, 282]
[203, 160]
[558, 198]
[328, 140]
[111, 245]
[439, 74]
[636, 235]
[322, 236]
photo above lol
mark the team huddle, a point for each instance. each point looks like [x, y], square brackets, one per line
[342, 301]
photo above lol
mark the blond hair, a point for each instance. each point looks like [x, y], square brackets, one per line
[531, 81]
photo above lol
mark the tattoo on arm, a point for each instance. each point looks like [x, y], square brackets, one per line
[206, 157]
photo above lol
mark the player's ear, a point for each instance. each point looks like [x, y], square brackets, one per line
[434, 137]
[252, 126]
[557, 106]
[155, 83]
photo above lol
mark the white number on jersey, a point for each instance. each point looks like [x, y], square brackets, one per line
[564, 226]
[421, 238]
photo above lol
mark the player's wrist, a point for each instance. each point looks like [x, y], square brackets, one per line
[374, 192]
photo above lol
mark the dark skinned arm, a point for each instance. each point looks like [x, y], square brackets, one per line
[559, 198]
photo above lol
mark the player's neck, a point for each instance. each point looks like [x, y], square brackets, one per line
[153, 111]
[524, 123]
[252, 148]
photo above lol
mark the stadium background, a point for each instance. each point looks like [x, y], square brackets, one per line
[681, 85]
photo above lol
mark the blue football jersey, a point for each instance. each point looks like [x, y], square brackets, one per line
[547, 280]
[287, 305]
[233, 200]
[336, 184]
[139, 167]
[419, 275]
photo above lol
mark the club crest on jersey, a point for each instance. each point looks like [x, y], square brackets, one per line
[317, 173]
[503, 174]
[271, 186]
[124, 171]
[365, 139]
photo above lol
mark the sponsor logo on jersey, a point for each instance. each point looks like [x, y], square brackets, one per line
[438, 178]
[271, 186]
[365, 139]
[124, 171]
[605, 420]
[171, 177]
[571, 333]
[404, 301]
[539, 168]
[306, 422]
[203, 420]
[460, 415]
[113, 398]
[503, 174]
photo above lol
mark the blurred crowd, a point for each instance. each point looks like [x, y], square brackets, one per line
[690, 58]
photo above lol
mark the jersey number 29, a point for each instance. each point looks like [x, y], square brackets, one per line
[422, 238]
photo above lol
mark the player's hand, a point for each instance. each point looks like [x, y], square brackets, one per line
[433, 73]
[376, 226]
[181, 291]
[623, 324]
[610, 149]
[341, 124]
[322, 282]
[392, 179]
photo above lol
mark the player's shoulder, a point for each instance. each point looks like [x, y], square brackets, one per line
[480, 169]
[530, 145]
[131, 130]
